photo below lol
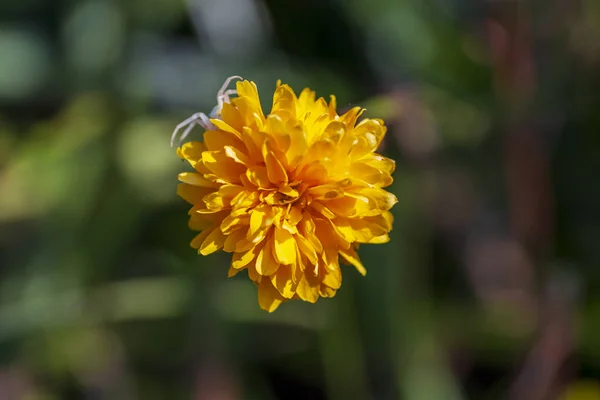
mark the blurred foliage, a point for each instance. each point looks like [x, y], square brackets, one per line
[492, 268]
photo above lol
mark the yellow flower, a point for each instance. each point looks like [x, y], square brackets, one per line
[290, 194]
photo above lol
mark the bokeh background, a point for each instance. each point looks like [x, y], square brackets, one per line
[487, 290]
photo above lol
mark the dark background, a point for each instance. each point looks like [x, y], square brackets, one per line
[487, 290]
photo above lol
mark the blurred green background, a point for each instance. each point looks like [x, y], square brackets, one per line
[488, 289]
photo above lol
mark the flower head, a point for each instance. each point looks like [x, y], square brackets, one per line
[290, 194]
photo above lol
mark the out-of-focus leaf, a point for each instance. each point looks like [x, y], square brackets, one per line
[459, 122]
[60, 169]
[142, 298]
[384, 107]
[582, 390]
[94, 35]
[148, 162]
[25, 64]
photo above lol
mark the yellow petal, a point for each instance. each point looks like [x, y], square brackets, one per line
[231, 116]
[252, 274]
[261, 219]
[214, 201]
[230, 191]
[191, 152]
[199, 239]
[193, 194]
[332, 106]
[266, 264]
[282, 280]
[327, 238]
[306, 248]
[367, 228]
[379, 239]
[343, 206]
[322, 209]
[371, 175]
[285, 225]
[380, 162]
[370, 201]
[350, 117]
[326, 291]
[234, 220]
[253, 144]
[298, 146]
[195, 179]
[333, 278]
[352, 258]
[383, 200]
[321, 150]
[334, 132]
[295, 215]
[199, 222]
[237, 155]
[313, 174]
[249, 91]
[285, 246]
[268, 297]
[225, 126]
[232, 272]
[307, 291]
[241, 259]
[244, 245]
[223, 166]
[317, 119]
[306, 100]
[297, 269]
[307, 229]
[278, 132]
[244, 199]
[233, 239]
[343, 228]
[275, 170]
[217, 140]
[372, 127]
[288, 190]
[213, 242]
[284, 98]
[326, 192]
[257, 175]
